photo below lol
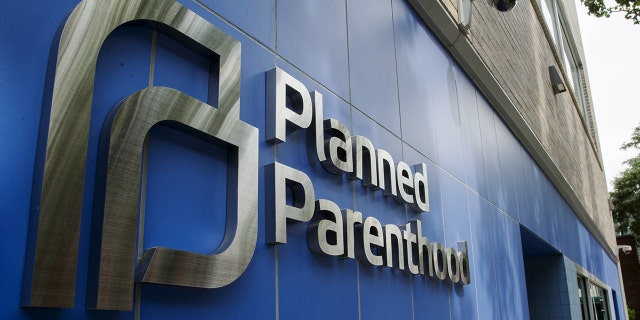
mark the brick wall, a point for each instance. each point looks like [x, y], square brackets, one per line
[630, 268]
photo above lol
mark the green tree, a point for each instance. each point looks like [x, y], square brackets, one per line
[630, 8]
[626, 192]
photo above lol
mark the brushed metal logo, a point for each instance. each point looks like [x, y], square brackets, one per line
[50, 267]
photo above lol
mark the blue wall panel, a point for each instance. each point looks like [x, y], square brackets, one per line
[510, 276]
[490, 153]
[381, 138]
[531, 217]
[255, 17]
[597, 259]
[457, 228]
[433, 220]
[474, 174]
[523, 185]
[185, 170]
[430, 296]
[414, 47]
[585, 248]
[176, 66]
[372, 62]
[483, 267]
[313, 36]
[23, 61]
[508, 155]
[447, 117]
[554, 227]
[519, 281]
[384, 292]
[455, 209]
[314, 286]
[569, 244]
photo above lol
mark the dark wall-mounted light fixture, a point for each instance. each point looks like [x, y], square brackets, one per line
[503, 5]
[556, 81]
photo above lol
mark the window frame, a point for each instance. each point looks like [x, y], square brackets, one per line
[555, 18]
[586, 284]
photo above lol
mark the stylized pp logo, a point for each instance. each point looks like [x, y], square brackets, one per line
[50, 269]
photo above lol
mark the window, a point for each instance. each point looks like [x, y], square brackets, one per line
[566, 48]
[550, 14]
[582, 293]
[573, 70]
[594, 303]
[599, 302]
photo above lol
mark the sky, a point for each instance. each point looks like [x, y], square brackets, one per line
[612, 50]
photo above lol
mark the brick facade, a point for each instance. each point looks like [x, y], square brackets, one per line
[630, 267]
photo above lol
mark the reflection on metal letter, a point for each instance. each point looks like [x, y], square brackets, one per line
[279, 177]
[133, 120]
[51, 259]
[439, 261]
[420, 189]
[405, 183]
[327, 221]
[463, 257]
[453, 264]
[386, 182]
[340, 139]
[281, 86]
[364, 234]
[411, 239]
[367, 172]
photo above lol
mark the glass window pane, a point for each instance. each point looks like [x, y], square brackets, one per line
[599, 302]
[582, 293]
[573, 73]
[549, 13]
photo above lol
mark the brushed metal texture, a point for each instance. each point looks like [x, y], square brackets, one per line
[52, 254]
[128, 130]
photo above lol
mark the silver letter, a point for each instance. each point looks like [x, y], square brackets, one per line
[453, 264]
[393, 249]
[360, 144]
[420, 189]
[439, 261]
[52, 254]
[136, 115]
[281, 85]
[405, 183]
[410, 238]
[388, 184]
[315, 137]
[424, 250]
[463, 257]
[329, 220]
[351, 218]
[279, 176]
[338, 146]
[367, 238]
